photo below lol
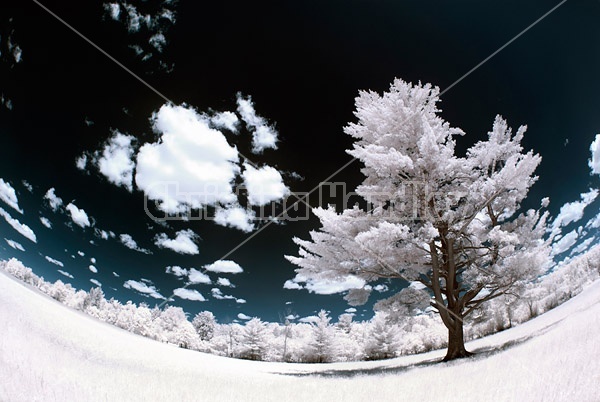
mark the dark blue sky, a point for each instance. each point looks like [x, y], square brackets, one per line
[302, 63]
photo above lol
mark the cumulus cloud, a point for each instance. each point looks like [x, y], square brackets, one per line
[583, 246]
[116, 275]
[311, 319]
[224, 282]
[224, 266]
[195, 276]
[183, 243]
[54, 201]
[350, 310]
[55, 262]
[27, 186]
[240, 301]
[264, 185]
[115, 162]
[128, 242]
[380, 288]
[143, 288]
[9, 196]
[78, 216]
[46, 222]
[243, 316]
[226, 120]
[65, 273]
[22, 228]
[594, 162]
[192, 165]
[263, 135]
[14, 244]
[189, 294]
[565, 243]
[93, 269]
[236, 217]
[326, 286]
[96, 282]
[289, 284]
[177, 271]
[573, 211]
[81, 162]
[113, 10]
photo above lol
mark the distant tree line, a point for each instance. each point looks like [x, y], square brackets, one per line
[390, 333]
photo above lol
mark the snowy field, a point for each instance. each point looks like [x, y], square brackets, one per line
[49, 352]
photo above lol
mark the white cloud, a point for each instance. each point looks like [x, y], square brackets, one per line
[380, 288]
[9, 196]
[27, 186]
[93, 260]
[243, 316]
[235, 216]
[96, 282]
[81, 162]
[177, 271]
[143, 288]
[217, 294]
[565, 243]
[79, 216]
[310, 319]
[65, 273]
[192, 165]
[22, 228]
[226, 120]
[189, 294]
[573, 211]
[583, 246]
[55, 262]
[81, 253]
[289, 284]
[263, 136]
[46, 222]
[240, 301]
[103, 234]
[15, 245]
[93, 269]
[116, 275]
[327, 286]
[54, 201]
[116, 162]
[182, 244]
[594, 162]
[350, 310]
[128, 242]
[113, 9]
[224, 266]
[264, 185]
[158, 41]
[224, 282]
[195, 276]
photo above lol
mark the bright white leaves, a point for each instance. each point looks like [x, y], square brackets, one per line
[419, 187]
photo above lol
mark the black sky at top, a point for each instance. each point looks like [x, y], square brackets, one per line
[303, 63]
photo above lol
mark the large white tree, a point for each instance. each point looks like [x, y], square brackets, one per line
[451, 221]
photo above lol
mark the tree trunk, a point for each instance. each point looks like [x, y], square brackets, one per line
[456, 342]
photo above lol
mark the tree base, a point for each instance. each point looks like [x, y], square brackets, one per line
[457, 354]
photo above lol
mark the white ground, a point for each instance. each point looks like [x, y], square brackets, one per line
[49, 352]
